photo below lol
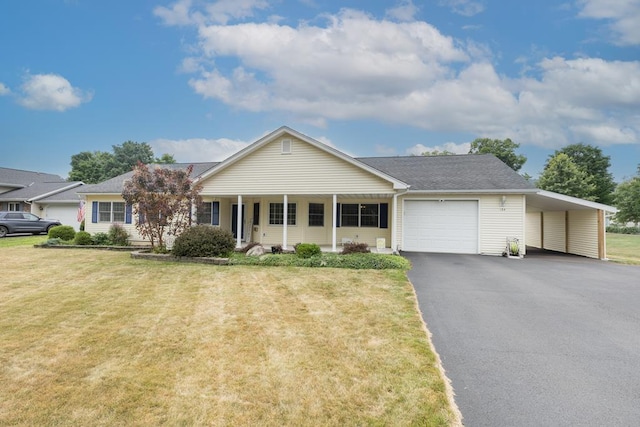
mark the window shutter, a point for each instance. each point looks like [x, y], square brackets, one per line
[215, 213]
[94, 212]
[256, 214]
[127, 214]
[384, 215]
[337, 214]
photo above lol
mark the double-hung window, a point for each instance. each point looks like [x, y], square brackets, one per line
[111, 212]
[209, 213]
[360, 215]
[276, 214]
[316, 215]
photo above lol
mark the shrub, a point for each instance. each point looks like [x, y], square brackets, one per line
[619, 229]
[353, 261]
[53, 242]
[355, 248]
[118, 236]
[63, 232]
[100, 239]
[83, 238]
[307, 250]
[204, 241]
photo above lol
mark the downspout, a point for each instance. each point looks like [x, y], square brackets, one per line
[394, 224]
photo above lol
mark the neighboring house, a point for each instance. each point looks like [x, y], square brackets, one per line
[42, 194]
[292, 188]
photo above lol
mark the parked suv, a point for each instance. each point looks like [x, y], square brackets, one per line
[24, 222]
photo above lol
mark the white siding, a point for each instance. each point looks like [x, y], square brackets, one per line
[583, 233]
[534, 229]
[496, 222]
[103, 227]
[307, 170]
[554, 231]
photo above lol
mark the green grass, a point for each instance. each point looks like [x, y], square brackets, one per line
[96, 338]
[624, 248]
[14, 241]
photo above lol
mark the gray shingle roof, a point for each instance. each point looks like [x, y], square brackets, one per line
[19, 178]
[35, 190]
[471, 172]
[114, 185]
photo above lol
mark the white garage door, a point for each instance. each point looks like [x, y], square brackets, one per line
[67, 214]
[441, 226]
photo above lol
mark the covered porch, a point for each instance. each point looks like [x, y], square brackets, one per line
[329, 220]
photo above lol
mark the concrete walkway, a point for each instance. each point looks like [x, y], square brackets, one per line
[546, 340]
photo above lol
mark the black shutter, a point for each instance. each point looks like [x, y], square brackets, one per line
[337, 214]
[94, 212]
[256, 214]
[384, 215]
[127, 214]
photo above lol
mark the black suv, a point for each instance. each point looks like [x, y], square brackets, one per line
[24, 222]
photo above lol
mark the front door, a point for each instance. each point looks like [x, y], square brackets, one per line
[234, 221]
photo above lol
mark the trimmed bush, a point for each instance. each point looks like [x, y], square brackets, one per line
[118, 236]
[100, 239]
[307, 250]
[83, 238]
[204, 241]
[355, 248]
[62, 232]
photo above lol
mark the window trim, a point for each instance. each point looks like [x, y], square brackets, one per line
[350, 216]
[292, 214]
[112, 213]
[316, 215]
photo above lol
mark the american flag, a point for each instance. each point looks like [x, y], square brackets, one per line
[81, 211]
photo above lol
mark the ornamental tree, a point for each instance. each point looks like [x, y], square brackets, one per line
[163, 200]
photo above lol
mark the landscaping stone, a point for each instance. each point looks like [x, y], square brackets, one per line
[256, 251]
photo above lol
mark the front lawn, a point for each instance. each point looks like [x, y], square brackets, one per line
[623, 248]
[97, 338]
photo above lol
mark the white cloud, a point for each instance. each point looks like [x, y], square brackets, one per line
[623, 17]
[404, 11]
[463, 7]
[51, 92]
[4, 90]
[220, 12]
[205, 150]
[409, 73]
[451, 147]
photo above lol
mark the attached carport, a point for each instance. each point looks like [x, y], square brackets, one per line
[566, 224]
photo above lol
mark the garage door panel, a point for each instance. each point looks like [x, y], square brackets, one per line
[441, 226]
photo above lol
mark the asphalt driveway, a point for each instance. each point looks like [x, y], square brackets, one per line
[548, 340]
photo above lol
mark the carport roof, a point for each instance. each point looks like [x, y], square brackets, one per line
[544, 200]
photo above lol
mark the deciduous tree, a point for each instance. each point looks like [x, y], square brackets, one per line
[98, 166]
[505, 150]
[163, 200]
[563, 176]
[627, 200]
[596, 165]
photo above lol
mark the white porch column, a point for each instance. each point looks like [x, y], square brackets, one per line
[239, 223]
[285, 220]
[394, 223]
[335, 224]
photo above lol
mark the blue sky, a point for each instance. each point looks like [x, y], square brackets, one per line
[201, 79]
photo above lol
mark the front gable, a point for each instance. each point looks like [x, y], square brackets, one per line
[289, 163]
